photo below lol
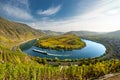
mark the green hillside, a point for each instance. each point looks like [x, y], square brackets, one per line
[13, 32]
[66, 42]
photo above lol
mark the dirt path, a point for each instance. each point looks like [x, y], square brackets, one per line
[115, 76]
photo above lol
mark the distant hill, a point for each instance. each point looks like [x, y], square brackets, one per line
[83, 33]
[52, 33]
[12, 31]
[115, 34]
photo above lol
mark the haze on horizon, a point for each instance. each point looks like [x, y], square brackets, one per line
[64, 15]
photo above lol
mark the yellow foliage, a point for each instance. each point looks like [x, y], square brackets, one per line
[61, 42]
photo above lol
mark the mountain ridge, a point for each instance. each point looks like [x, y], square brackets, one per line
[11, 32]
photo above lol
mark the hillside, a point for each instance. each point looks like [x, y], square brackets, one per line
[16, 32]
[83, 33]
[66, 42]
[52, 33]
[114, 34]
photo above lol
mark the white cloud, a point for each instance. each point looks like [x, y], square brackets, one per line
[18, 3]
[16, 12]
[23, 2]
[103, 18]
[50, 11]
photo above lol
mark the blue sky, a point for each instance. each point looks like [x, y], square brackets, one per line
[64, 15]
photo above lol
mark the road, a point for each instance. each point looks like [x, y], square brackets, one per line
[16, 46]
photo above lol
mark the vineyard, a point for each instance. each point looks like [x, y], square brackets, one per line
[16, 65]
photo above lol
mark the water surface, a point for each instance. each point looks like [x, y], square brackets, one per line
[91, 50]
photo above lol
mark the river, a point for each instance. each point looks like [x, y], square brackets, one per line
[91, 50]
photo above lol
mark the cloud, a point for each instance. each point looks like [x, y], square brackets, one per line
[49, 11]
[17, 12]
[23, 4]
[103, 17]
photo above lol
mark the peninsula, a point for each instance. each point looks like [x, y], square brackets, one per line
[61, 42]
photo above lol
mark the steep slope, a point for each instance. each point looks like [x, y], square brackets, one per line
[13, 32]
[115, 34]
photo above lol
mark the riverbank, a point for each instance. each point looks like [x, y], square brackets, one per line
[110, 49]
[17, 46]
[91, 50]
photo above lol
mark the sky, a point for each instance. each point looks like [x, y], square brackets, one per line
[64, 15]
